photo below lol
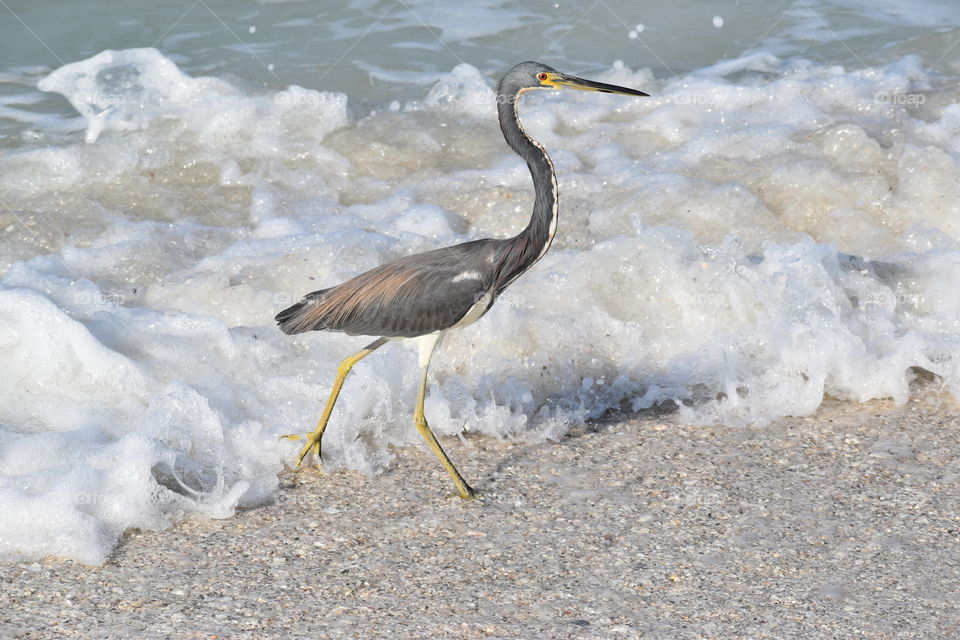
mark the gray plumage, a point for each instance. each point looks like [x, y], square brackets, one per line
[420, 294]
[409, 297]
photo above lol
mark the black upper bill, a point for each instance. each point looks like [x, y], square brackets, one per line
[572, 82]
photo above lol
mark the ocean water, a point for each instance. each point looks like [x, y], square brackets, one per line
[779, 222]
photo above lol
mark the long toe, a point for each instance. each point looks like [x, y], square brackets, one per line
[313, 444]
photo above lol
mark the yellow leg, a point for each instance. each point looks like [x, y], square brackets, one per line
[313, 439]
[421, 420]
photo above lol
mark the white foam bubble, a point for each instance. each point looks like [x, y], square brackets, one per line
[463, 91]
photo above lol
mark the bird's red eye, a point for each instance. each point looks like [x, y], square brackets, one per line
[541, 76]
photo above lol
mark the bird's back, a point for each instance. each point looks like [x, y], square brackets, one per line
[409, 297]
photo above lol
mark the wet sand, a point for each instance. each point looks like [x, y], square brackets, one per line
[845, 524]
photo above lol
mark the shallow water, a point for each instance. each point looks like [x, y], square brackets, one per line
[777, 223]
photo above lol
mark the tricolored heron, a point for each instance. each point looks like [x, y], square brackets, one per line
[423, 295]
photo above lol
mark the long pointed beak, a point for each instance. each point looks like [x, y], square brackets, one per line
[571, 82]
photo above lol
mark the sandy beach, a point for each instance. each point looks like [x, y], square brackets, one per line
[840, 525]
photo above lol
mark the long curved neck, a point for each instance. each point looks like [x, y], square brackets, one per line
[524, 249]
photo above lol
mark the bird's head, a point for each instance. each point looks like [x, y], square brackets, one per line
[534, 75]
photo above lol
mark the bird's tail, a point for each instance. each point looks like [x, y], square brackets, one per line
[294, 319]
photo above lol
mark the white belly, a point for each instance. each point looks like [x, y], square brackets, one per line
[473, 313]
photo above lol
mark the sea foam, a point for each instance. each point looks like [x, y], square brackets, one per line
[750, 239]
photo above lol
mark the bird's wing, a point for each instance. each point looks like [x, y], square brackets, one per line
[409, 297]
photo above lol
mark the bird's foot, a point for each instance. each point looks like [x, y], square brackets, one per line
[470, 494]
[313, 444]
[467, 492]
